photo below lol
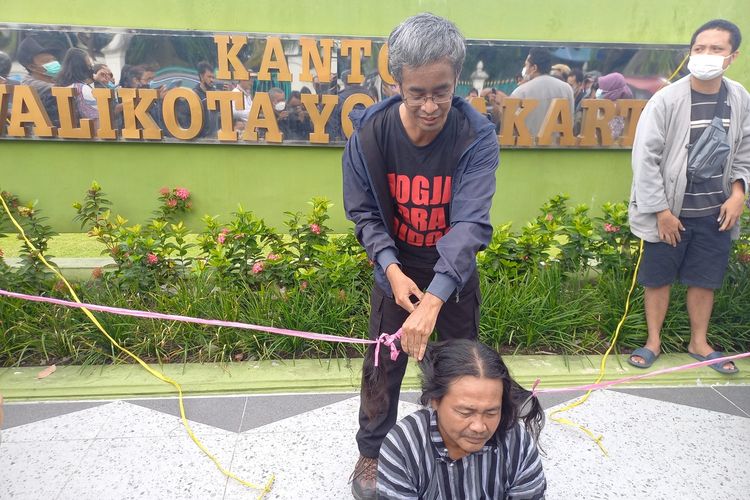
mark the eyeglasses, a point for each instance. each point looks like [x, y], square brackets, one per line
[418, 102]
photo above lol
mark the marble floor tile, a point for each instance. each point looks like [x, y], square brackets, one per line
[657, 450]
[203, 410]
[151, 468]
[26, 413]
[83, 425]
[738, 395]
[697, 397]
[34, 470]
[338, 416]
[306, 465]
[129, 421]
[262, 410]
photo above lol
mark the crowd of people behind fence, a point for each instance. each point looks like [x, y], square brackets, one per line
[542, 79]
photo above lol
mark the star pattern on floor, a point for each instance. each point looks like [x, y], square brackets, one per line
[140, 449]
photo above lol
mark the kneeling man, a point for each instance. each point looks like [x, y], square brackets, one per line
[470, 440]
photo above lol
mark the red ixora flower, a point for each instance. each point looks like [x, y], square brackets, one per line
[171, 203]
[97, 273]
[273, 256]
[744, 258]
[549, 218]
[609, 228]
[164, 191]
[220, 239]
[257, 268]
[182, 193]
[152, 259]
[314, 228]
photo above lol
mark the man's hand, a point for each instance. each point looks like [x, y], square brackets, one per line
[418, 327]
[669, 227]
[403, 288]
[731, 210]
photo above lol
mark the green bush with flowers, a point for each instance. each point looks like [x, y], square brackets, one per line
[558, 284]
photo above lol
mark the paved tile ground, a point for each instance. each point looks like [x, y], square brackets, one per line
[663, 443]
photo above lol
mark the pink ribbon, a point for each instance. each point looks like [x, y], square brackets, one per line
[533, 387]
[388, 340]
[604, 385]
[185, 319]
[385, 338]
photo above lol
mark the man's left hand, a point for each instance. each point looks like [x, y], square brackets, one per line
[418, 327]
[731, 210]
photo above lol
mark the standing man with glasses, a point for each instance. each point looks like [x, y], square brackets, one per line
[419, 177]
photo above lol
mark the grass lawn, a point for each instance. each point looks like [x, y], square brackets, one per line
[64, 245]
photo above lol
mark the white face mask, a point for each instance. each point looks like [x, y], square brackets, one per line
[280, 106]
[599, 93]
[523, 72]
[706, 66]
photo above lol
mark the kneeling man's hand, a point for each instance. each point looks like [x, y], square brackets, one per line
[418, 327]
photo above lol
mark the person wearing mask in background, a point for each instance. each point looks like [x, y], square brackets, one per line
[296, 124]
[278, 101]
[43, 66]
[541, 87]
[130, 77]
[613, 87]
[78, 73]
[149, 72]
[103, 77]
[244, 87]
[590, 84]
[687, 218]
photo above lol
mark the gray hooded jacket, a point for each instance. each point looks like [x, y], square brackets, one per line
[659, 158]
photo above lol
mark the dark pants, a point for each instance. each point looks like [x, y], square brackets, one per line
[457, 319]
[700, 259]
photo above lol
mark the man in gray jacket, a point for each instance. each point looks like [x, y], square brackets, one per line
[687, 223]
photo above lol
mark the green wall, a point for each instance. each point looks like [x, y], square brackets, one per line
[272, 179]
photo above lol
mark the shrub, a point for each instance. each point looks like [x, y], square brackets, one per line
[539, 292]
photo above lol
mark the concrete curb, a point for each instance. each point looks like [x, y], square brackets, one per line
[122, 381]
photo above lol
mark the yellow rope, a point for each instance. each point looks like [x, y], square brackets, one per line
[264, 489]
[684, 59]
[602, 366]
[613, 342]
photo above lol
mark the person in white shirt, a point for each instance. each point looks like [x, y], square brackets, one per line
[245, 87]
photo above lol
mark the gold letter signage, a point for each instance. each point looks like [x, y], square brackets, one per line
[250, 88]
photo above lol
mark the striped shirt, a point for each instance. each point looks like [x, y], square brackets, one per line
[414, 464]
[704, 198]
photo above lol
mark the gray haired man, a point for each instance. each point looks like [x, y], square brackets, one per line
[419, 177]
